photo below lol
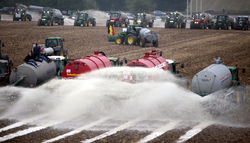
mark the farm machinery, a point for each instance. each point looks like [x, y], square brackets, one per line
[135, 34]
[83, 18]
[20, 13]
[242, 22]
[117, 19]
[144, 19]
[73, 14]
[175, 20]
[224, 21]
[217, 77]
[50, 17]
[202, 21]
[5, 67]
[57, 44]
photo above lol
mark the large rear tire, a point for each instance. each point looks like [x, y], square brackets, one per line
[84, 24]
[175, 25]
[116, 23]
[131, 40]
[245, 27]
[232, 25]
[119, 40]
[225, 26]
[94, 23]
[155, 43]
[75, 23]
[48, 23]
[166, 24]
[142, 42]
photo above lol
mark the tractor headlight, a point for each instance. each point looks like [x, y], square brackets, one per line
[111, 20]
[171, 21]
[43, 19]
[139, 21]
[73, 17]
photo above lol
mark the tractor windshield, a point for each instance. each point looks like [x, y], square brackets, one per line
[46, 13]
[114, 15]
[173, 15]
[51, 42]
[221, 17]
[19, 9]
[3, 68]
[197, 16]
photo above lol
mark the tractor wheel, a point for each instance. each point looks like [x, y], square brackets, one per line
[166, 24]
[30, 18]
[89, 23]
[144, 25]
[26, 18]
[142, 42]
[116, 23]
[107, 23]
[94, 23]
[191, 25]
[245, 27]
[179, 25]
[59, 22]
[85, 24]
[225, 26]
[119, 40]
[39, 22]
[14, 18]
[75, 23]
[155, 43]
[175, 25]
[135, 40]
[232, 25]
[131, 39]
[61, 52]
[53, 22]
[65, 53]
[120, 24]
[201, 25]
[205, 26]
[48, 23]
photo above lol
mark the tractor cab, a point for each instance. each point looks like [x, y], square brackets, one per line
[54, 42]
[73, 14]
[60, 62]
[234, 73]
[47, 12]
[81, 15]
[172, 67]
[115, 15]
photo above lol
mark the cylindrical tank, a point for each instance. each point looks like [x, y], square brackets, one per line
[33, 76]
[150, 60]
[230, 19]
[48, 51]
[57, 12]
[211, 79]
[207, 16]
[86, 64]
[35, 8]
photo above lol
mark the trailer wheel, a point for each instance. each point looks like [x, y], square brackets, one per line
[225, 26]
[131, 39]
[155, 43]
[39, 22]
[166, 24]
[62, 22]
[144, 25]
[119, 40]
[232, 25]
[84, 23]
[94, 23]
[175, 25]
[142, 42]
[75, 23]
[53, 22]
[65, 53]
[120, 24]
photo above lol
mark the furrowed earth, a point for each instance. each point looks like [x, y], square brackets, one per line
[195, 48]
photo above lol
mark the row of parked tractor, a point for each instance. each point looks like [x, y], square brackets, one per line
[205, 21]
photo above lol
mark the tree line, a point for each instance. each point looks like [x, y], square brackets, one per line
[133, 6]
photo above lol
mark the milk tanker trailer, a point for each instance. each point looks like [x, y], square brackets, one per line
[28, 75]
[202, 21]
[217, 77]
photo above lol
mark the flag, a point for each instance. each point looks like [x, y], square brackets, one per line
[111, 30]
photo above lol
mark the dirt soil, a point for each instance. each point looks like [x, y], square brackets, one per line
[195, 48]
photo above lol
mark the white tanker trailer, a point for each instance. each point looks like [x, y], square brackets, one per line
[215, 77]
[30, 75]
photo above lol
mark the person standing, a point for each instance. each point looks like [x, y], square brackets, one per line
[36, 50]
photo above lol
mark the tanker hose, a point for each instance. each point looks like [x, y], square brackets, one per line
[102, 53]
[18, 81]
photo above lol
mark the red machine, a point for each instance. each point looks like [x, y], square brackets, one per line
[86, 64]
[151, 60]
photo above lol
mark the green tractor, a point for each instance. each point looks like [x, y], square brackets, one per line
[50, 17]
[60, 62]
[224, 21]
[57, 44]
[20, 13]
[73, 14]
[175, 20]
[83, 18]
[144, 19]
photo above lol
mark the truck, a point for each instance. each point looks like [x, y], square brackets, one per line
[144, 19]
[215, 78]
[5, 67]
[83, 18]
[134, 34]
[202, 21]
[20, 13]
[57, 44]
[224, 21]
[242, 22]
[50, 17]
[117, 19]
[175, 20]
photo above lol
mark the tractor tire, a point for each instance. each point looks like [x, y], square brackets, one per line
[166, 24]
[225, 26]
[48, 23]
[14, 18]
[119, 40]
[155, 43]
[94, 23]
[150, 24]
[183, 25]
[191, 25]
[175, 25]
[84, 24]
[30, 18]
[75, 23]
[144, 25]
[205, 26]
[107, 23]
[232, 25]
[89, 23]
[116, 23]
[65, 53]
[212, 26]
[39, 22]
[53, 22]
[26, 18]
[120, 24]
[201, 25]
[142, 42]
[245, 27]
[131, 40]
